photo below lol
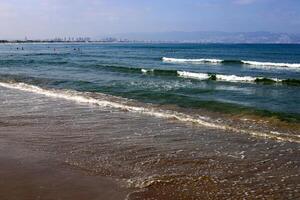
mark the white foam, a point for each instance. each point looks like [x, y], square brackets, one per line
[200, 76]
[271, 64]
[178, 60]
[234, 78]
[216, 61]
[145, 71]
[78, 97]
[81, 98]
[226, 78]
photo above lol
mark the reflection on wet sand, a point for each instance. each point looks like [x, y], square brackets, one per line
[150, 158]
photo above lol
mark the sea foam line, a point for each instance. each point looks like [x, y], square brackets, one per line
[181, 60]
[76, 97]
[227, 78]
[271, 64]
[217, 77]
[199, 76]
[219, 61]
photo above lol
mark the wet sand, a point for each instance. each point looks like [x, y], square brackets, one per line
[57, 149]
[37, 175]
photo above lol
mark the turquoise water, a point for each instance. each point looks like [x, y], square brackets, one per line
[166, 73]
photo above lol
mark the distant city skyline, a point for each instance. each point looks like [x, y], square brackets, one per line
[40, 19]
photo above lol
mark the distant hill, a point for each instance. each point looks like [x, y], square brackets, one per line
[213, 37]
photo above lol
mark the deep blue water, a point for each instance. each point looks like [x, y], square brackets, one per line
[116, 69]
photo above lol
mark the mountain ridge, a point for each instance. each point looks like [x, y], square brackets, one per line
[213, 37]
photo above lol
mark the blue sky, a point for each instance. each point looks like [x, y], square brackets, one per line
[50, 18]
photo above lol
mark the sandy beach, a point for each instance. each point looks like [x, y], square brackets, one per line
[149, 100]
[58, 149]
[31, 175]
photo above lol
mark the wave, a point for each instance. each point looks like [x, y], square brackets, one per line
[159, 72]
[206, 76]
[202, 76]
[199, 76]
[226, 78]
[271, 64]
[82, 97]
[136, 70]
[119, 68]
[241, 62]
[202, 60]
[234, 78]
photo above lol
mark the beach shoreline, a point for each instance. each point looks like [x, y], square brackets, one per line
[91, 152]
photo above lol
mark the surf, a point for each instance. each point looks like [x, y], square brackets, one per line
[219, 61]
[224, 78]
[205, 76]
[198, 75]
[81, 97]
[202, 60]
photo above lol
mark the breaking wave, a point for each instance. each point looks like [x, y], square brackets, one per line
[82, 97]
[181, 60]
[271, 64]
[200, 76]
[226, 78]
[220, 77]
[234, 78]
[218, 61]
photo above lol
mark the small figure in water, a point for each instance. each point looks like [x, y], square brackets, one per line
[22, 48]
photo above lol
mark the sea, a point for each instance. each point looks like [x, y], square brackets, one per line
[173, 117]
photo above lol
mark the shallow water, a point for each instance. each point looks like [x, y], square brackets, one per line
[156, 157]
[269, 84]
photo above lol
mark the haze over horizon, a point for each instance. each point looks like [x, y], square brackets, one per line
[96, 18]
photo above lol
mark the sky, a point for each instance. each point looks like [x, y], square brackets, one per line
[40, 19]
